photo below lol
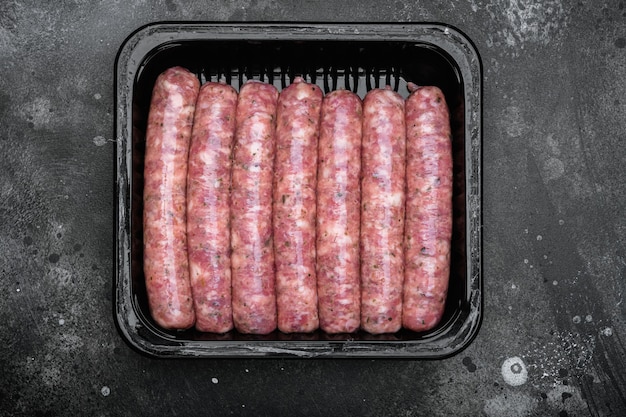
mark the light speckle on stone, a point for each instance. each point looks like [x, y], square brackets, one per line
[607, 331]
[514, 404]
[37, 112]
[553, 168]
[514, 371]
[514, 122]
[99, 141]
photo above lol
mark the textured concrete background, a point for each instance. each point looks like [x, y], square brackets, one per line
[554, 224]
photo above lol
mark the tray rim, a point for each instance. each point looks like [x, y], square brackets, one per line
[150, 36]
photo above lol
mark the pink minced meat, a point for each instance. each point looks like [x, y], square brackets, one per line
[382, 211]
[338, 212]
[208, 206]
[428, 208]
[252, 258]
[165, 261]
[294, 209]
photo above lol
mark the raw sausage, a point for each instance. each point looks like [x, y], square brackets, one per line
[252, 258]
[295, 173]
[382, 211]
[165, 261]
[428, 208]
[208, 206]
[338, 212]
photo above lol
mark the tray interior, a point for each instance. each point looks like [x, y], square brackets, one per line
[357, 66]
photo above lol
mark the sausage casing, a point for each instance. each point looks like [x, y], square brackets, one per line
[338, 212]
[208, 206]
[428, 208]
[294, 211]
[252, 257]
[165, 262]
[382, 211]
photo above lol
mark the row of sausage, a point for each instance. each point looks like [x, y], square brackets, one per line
[295, 210]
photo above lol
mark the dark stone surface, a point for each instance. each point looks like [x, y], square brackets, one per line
[554, 224]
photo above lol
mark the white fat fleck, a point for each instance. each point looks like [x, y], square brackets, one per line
[302, 93]
[206, 157]
[257, 299]
[341, 177]
[514, 371]
[395, 199]
[335, 232]
[255, 148]
[426, 126]
[341, 142]
[195, 270]
[302, 224]
[306, 293]
[176, 98]
[344, 301]
[327, 172]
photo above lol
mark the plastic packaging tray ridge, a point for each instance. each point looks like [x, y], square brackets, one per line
[358, 57]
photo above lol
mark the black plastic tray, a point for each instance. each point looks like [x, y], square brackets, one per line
[358, 57]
